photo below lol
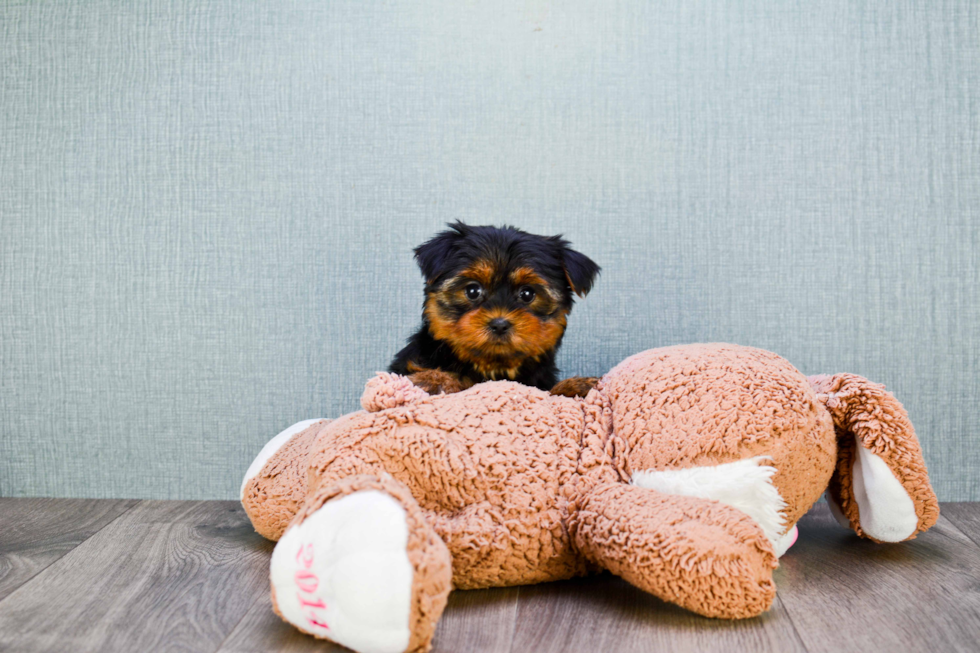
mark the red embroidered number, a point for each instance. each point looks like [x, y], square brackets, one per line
[307, 582]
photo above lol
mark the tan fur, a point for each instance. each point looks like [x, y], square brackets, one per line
[470, 338]
[526, 277]
[436, 381]
[507, 485]
[481, 271]
[574, 386]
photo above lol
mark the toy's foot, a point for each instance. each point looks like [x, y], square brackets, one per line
[343, 573]
[364, 571]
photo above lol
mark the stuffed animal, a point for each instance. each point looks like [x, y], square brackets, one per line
[684, 472]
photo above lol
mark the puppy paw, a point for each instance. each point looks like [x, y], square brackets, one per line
[437, 382]
[575, 386]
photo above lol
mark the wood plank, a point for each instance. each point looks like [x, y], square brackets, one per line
[966, 517]
[166, 575]
[193, 576]
[913, 596]
[478, 621]
[475, 621]
[262, 630]
[605, 613]
[36, 532]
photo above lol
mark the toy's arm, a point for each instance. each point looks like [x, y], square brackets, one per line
[387, 390]
[700, 554]
[880, 487]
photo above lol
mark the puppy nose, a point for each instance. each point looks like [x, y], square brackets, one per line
[499, 326]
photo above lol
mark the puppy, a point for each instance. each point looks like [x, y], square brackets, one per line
[496, 307]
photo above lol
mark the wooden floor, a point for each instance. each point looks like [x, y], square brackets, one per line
[87, 575]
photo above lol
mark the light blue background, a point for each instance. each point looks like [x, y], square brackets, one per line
[207, 209]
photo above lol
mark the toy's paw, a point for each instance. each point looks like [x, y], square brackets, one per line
[388, 390]
[343, 573]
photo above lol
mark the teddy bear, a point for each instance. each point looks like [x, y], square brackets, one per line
[684, 471]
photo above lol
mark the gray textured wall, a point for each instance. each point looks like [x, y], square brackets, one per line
[207, 209]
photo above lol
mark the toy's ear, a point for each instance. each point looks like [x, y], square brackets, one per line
[433, 254]
[580, 270]
[880, 487]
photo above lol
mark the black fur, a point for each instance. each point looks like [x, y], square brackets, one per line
[507, 248]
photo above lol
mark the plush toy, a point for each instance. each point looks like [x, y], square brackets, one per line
[684, 472]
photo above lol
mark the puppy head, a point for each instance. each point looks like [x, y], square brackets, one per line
[499, 296]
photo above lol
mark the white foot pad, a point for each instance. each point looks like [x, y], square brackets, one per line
[344, 574]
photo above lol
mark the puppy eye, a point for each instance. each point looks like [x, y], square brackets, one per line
[526, 295]
[473, 291]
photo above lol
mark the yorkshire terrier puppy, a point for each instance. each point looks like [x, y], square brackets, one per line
[496, 307]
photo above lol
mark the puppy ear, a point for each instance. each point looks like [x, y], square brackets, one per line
[580, 271]
[433, 254]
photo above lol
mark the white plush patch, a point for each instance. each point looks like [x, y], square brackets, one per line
[745, 485]
[269, 450]
[885, 510]
[344, 573]
[784, 541]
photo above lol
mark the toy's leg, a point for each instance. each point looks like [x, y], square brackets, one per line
[880, 487]
[700, 554]
[274, 486]
[360, 566]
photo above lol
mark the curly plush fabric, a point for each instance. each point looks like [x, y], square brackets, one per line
[274, 495]
[388, 390]
[706, 557]
[486, 467]
[702, 405]
[682, 471]
[868, 416]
